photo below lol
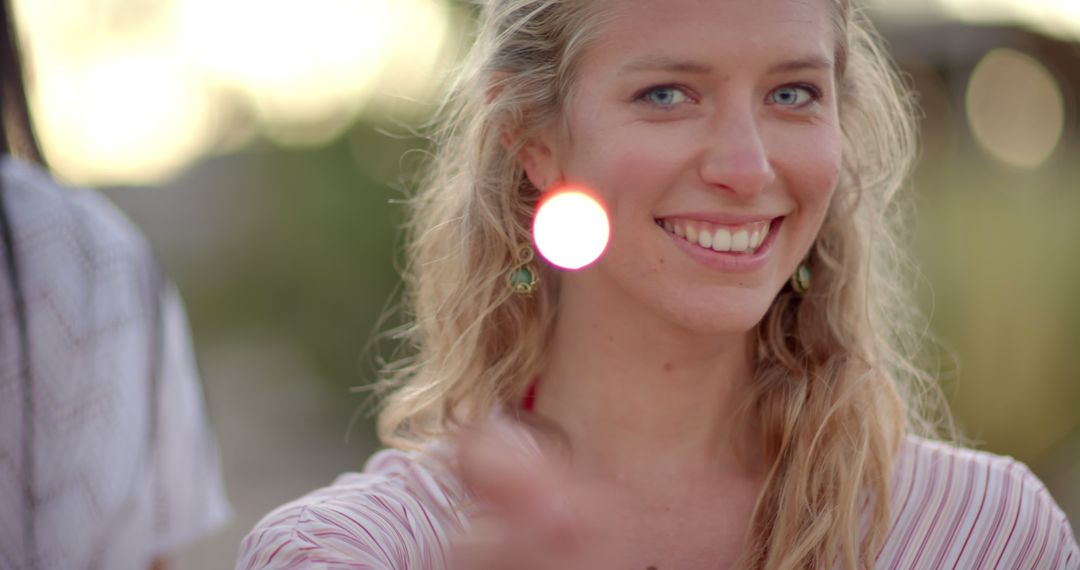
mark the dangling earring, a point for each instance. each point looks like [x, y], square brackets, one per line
[524, 279]
[800, 280]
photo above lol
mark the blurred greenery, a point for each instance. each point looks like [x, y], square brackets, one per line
[319, 266]
[998, 247]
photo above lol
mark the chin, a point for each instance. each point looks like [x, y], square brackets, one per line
[736, 312]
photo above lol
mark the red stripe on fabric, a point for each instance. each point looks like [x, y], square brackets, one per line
[999, 516]
[903, 508]
[1019, 509]
[975, 523]
[434, 529]
[937, 515]
[958, 516]
[1034, 529]
[275, 552]
[375, 541]
[1046, 537]
[927, 494]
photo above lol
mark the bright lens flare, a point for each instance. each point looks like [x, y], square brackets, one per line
[571, 228]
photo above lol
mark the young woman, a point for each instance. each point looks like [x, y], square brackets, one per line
[730, 384]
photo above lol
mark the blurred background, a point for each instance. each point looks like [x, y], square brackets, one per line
[262, 145]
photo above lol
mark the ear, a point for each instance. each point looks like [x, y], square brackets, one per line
[539, 160]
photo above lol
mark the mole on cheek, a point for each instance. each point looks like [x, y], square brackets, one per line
[666, 368]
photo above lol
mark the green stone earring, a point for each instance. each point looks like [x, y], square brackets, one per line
[524, 279]
[800, 280]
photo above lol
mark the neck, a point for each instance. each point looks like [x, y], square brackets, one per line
[640, 399]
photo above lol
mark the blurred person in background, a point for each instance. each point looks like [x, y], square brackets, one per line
[732, 385]
[107, 459]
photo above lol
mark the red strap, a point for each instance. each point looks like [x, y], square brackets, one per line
[529, 401]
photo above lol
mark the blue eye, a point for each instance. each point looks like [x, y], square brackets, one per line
[794, 95]
[665, 96]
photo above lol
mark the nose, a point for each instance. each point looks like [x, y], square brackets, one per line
[735, 156]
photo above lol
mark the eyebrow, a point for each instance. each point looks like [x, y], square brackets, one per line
[654, 63]
[689, 66]
[809, 62]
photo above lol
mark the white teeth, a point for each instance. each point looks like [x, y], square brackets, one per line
[740, 241]
[746, 240]
[705, 239]
[756, 238]
[722, 240]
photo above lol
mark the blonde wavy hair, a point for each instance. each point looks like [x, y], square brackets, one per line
[837, 384]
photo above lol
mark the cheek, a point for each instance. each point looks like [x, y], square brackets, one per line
[812, 170]
[628, 166]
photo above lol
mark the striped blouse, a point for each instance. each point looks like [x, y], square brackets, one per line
[951, 508]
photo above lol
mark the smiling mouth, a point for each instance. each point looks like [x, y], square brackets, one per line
[741, 239]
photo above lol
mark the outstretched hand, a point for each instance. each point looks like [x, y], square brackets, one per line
[534, 516]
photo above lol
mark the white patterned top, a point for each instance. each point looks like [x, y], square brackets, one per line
[951, 508]
[106, 457]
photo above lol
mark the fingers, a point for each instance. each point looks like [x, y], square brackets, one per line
[529, 522]
[511, 478]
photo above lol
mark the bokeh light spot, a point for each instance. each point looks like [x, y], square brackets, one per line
[1015, 108]
[132, 92]
[128, 116]
[571, 228]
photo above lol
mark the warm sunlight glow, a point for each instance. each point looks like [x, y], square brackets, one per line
[1060, 18]
[122, 99]
[307, 69]
[571, 228]
[123, 117]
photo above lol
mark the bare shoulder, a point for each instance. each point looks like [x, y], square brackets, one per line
[399, 513]
[958, 507]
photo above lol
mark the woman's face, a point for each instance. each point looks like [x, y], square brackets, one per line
[710, 130]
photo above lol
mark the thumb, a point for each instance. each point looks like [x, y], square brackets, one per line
[508, 475]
